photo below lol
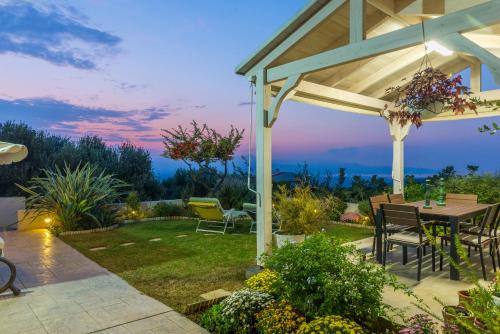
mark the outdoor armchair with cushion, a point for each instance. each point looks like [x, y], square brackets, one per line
[375, 202]
[478, 238]
[413, 236]
[212, 217]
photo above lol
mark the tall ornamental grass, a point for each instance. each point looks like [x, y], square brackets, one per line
[78, 198]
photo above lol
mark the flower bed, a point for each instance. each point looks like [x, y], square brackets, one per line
[319, 286]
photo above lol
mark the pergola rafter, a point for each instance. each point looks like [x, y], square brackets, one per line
[342, 54]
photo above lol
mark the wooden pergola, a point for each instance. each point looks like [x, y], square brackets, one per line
[343, 54]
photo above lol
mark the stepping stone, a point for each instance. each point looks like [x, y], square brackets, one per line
[95, 249]
[216, 294]
[127, 244]
[155, 239]
[181, 235]
[208, 234]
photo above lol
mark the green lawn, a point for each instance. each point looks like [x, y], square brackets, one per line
[183, 264]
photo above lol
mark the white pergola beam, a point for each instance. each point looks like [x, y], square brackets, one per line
[300, 33]
[475, 77]
[469, 19]
[356, 21]
[290, 84]
[341, 96]
[459, 43]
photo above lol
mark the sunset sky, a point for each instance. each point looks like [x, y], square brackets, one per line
[125, 69]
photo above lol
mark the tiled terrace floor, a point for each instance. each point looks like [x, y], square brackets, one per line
[432, 284]
[65, 292]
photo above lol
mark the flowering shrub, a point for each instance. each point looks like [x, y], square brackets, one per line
[350, 217]
[262, 281]
[330, 324]
[334, 207]
[213, 321]
[420, 324]
[321, 277]
[240, 308]
[279, 318]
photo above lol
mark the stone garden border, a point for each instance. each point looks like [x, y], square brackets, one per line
[152, 219]
[367, 227]
[94, 230]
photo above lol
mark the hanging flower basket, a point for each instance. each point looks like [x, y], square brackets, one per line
[429, 90]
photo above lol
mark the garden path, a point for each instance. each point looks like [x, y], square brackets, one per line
[65, 292]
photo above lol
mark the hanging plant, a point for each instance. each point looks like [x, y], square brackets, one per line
[429, 90]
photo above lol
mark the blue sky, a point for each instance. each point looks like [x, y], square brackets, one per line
[125, 69]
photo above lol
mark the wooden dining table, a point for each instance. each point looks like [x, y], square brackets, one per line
[454, 213]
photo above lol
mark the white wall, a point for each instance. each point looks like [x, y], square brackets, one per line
[8, 211]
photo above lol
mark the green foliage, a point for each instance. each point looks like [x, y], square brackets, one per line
[76, 197]
[164, 209]
[331, 324]
[213, 321]
[300, 211]
[234, 192]
[486, 186]
[364, 208]
[242, 306]
[46, 151]
[321, 277]
[279, 318]
[334, 207]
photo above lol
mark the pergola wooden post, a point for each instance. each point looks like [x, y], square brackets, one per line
[398, 134]
[343, 54]
[264, 167]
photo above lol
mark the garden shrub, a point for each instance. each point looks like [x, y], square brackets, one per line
[262, 281]
[164, 209]
[333, 324]
[334, 207]
[321, 277]
[300, 211]
[240, 308]
[364, 208]
[133, 208]
[213, 321]
[79, 198]
[279, 318]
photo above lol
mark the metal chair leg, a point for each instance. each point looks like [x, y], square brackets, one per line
[384, 252]
[419, 255]
[433, 251]
[405, 255]
[441, 256]
[481, 257]
[373, 246]
[492, 255]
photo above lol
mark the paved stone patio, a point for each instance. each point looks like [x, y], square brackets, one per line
[65, 292]
[432, 284]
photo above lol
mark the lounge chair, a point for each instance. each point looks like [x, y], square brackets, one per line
[212, 217]
[8, 284]
[251, 210]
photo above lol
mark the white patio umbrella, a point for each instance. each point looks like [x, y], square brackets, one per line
[10, 153]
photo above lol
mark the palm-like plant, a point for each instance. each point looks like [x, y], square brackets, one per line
[79, 198]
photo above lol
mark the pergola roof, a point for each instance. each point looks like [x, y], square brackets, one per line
[343, 59]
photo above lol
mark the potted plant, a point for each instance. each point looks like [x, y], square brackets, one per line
[430, 91]
[464, 297]
[452, 313]
[300, 212]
